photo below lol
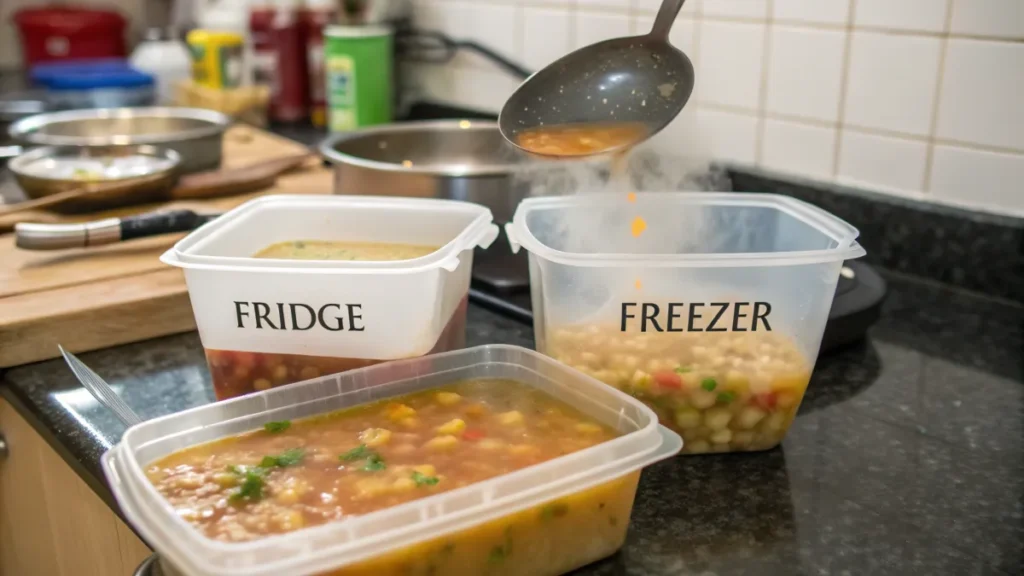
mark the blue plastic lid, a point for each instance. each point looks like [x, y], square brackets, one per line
[89, 74]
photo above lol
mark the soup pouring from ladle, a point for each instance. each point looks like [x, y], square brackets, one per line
[604, 97]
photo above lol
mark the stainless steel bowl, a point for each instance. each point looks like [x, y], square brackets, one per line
[142, 188]
[457, 159]
[195, 134]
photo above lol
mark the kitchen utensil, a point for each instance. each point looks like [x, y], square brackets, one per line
[636, 79]
[38, 173]
[213, 184]
[438, 48]
[100, 389]
[193, 133]
[95, 298]
[457, 159]
[29, 236]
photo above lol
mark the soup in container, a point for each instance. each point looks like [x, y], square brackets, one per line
[491, 460]
[288, 288]
[709, 307]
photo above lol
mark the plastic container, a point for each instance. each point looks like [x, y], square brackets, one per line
[382, 542]
[69, 33]
[709, 307]
[268, 322]
[164, 56]
[100, 83]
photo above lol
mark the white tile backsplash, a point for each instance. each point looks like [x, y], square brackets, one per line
[798, 148]
[920, 15]
[978, 178]
[836, 12]
[547, 35]
[731, 57]
[799, 53]
[981, 95]
[999, 18]
[901, 97]
[735, 8]
[891, 82]
[886, 162]
[592, 27]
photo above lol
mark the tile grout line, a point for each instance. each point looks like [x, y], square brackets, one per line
[844, 84]
[929, 156]
[762, 97]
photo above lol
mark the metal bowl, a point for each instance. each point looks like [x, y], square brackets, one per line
[195, 134]
[144, 187]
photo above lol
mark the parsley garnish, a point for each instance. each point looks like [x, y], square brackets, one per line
[357, 453]
[374, 463]
[424, 480]
[726, 397]
[252, 484]
[287, 458]
[708, 384]
[277, 427]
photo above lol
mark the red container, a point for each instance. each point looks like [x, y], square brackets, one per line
[278, 37]
[68, 33]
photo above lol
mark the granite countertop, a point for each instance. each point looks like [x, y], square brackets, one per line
[907, 456]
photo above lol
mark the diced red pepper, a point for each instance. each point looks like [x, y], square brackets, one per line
[668, 379]
[766, 400]
[473, 434]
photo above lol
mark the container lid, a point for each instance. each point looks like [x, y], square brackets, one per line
[229, 242]
[368, 31]
[89, 75]
[67, 19]
[680, 229]
[334, 545]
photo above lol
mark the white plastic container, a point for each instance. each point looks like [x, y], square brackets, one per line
[256, 316]
[418, 527]
[708, 306]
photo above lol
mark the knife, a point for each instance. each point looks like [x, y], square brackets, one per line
[28, 236]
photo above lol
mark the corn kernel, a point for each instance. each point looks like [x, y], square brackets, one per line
[476, 410]
[702, 399]
[447, 398]
[410, 423]
[687, 418]
[512, 418]
[280, 373]
[489, 444]
[425, 469]
[404, 484]
[398, 412]
[225, 479]
[290, 520]
[722, 436]
[446, 442]
[261, 384]
[287, 496]
[749, 417]
[717, 418]
[375, 436]
[309, 372]
[454, 426]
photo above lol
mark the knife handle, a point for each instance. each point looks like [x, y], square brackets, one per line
[109, 231]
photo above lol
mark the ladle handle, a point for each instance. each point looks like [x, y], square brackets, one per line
[665, 18]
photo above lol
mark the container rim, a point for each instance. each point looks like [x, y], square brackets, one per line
[481, 231]
[149, 512]
[26, 129]
[844, 234]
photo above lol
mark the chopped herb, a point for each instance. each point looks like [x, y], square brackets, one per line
[554, 510]
[252, 486]
[424, 480]
[374, 463]
[708, 384]
[726, 397]
[357, 453]
[300, 245]
[682, 369]
[289, 457]
[497, 555]
[277, 427]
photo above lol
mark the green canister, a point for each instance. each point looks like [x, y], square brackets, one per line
[358, 69]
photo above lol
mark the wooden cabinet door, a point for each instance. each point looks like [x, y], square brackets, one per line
[51, 522]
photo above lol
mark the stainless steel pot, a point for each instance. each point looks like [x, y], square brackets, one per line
[457, 159]
[195, 134]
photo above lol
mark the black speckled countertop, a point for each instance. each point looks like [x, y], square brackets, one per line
[907, 456]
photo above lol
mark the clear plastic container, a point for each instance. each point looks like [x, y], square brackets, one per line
[269, 322]
[707, 306]
[395, 540]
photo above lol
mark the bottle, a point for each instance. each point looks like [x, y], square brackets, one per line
[229, 16]
[317, 15]
[280, 56]
[165, 57]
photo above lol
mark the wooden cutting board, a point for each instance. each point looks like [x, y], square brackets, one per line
[90, 298]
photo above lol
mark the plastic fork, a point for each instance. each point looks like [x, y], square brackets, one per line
[100, 389]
